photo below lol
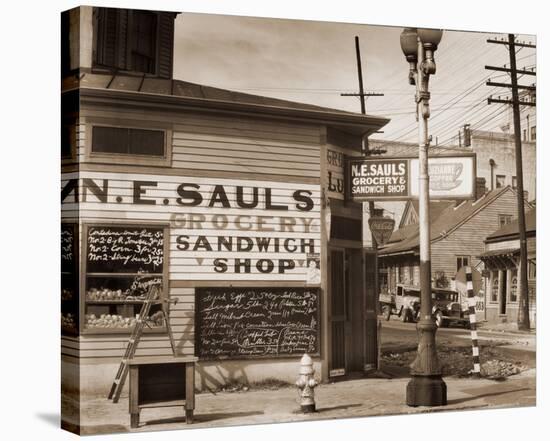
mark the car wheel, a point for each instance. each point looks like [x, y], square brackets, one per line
[439, 320]
[386, 312]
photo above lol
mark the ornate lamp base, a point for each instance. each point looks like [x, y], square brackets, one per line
[426, 391]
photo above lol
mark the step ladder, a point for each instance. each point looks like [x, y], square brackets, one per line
[152, 298]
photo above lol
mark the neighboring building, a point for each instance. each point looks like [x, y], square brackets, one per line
[501, 259]
[495, 158]
[458, 231]
[496, 161]
[218, 190]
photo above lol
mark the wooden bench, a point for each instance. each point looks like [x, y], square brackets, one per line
[164, 381]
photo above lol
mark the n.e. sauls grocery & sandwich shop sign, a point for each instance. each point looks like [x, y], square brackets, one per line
[451, 177]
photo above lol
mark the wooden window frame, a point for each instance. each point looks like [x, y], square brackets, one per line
[501, 216]
[494, 277]
[532, 263]
[497, 183]
[510, 286]
[462, 257]
[84, 272]
[128, 159]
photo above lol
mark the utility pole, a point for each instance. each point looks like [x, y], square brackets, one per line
[523, 310]
[370, 307]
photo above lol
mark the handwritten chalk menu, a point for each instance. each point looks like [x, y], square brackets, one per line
[125, 249]
[67, 247]
[256, 322]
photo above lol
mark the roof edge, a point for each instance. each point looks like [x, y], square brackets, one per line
[368, 122]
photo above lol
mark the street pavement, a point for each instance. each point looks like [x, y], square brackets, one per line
[344, 399]
[397, 336]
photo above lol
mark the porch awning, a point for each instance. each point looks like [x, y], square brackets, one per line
[501, 259]
[504, 252]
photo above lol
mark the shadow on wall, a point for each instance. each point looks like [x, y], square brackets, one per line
[215, 377]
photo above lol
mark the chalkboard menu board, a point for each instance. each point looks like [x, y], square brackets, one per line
[67, 248]
[125, 249]
[69, 279]
[257, 322]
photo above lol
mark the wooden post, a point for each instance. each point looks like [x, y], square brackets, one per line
[189, 391]
[134, 394]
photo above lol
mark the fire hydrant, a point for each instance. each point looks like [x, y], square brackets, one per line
[307, 383]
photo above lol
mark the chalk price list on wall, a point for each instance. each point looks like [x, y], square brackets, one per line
[249, 322]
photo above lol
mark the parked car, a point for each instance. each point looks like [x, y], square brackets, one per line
[447, 308]
[405, 303]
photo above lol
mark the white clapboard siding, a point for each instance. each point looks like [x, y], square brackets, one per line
[248, 128]
[80, 141]
[227, 144]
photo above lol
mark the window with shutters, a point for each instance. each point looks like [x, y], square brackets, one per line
[127, 40]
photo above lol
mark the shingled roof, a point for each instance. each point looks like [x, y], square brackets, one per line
[185, 92]
[511, 230]
[448, 220]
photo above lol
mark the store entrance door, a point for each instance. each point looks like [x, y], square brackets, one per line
[346, 293]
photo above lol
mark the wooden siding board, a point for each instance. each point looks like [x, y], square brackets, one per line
[469, 238]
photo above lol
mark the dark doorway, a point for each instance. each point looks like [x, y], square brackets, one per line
[346, 316]
[503, 289]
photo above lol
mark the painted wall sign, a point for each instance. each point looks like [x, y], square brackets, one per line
[255, 322]
[220, 229]
[381, 228]
[335, 171]
[451, 177]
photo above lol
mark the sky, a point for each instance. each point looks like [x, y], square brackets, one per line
[313, 62]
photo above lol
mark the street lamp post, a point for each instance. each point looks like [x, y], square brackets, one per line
[426, 387]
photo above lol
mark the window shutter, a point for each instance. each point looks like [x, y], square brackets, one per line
[122, 39]
[166, 44]
[112, 28]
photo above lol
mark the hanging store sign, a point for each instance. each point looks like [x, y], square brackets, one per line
[381, 228]
[382, 179]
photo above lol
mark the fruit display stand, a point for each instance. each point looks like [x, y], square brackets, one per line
[161, 381]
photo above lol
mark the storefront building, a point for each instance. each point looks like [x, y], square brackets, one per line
[229, 202]
[501, 258]
[457, 231]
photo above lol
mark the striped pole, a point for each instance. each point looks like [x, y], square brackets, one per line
[473, 325]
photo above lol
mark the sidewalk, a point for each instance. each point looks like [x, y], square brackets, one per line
[353, 398]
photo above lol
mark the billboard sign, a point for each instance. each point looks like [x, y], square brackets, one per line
[384, 179]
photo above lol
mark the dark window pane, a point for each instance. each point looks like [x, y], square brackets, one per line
[144, 41]
[128, 141]
[68, 139]
[110, 140]
[146, 142]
